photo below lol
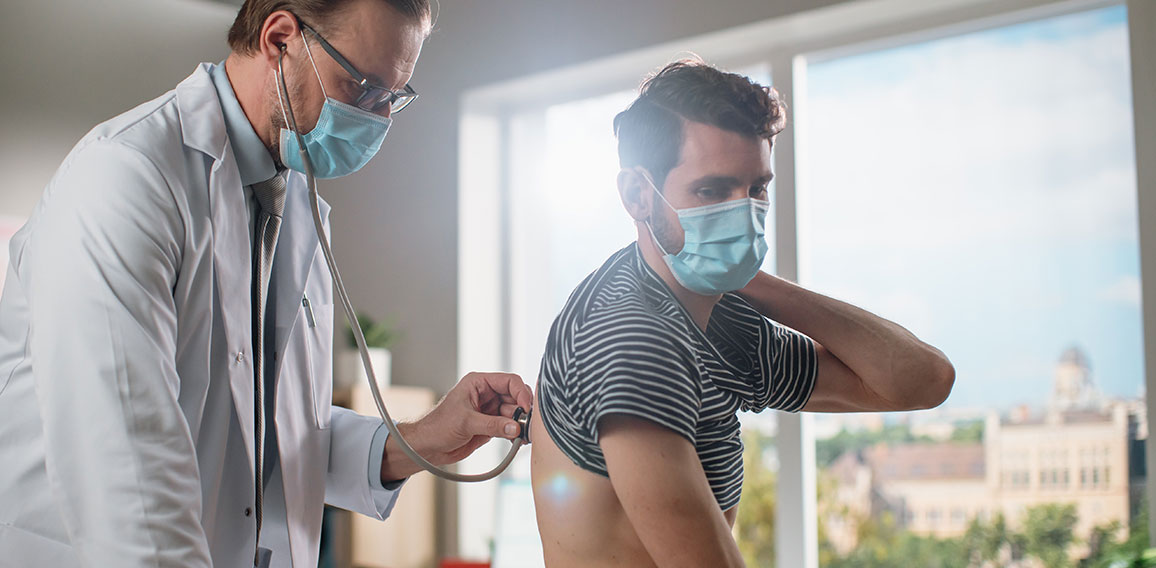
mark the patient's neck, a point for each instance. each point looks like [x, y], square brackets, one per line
[697, 305]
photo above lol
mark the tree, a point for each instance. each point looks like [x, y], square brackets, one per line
[968, 432]
[755, 526]
[828, 449]
[1105, 551]
[883, 544]
[1100, 542]
[1047, 531]
[985, 542]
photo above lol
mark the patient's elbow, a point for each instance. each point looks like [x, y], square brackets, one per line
[938, 378]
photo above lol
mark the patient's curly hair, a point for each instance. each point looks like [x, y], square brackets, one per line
[649, 131]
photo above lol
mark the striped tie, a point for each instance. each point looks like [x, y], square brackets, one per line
[270, 195]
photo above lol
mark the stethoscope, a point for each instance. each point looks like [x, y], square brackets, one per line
[522, 417]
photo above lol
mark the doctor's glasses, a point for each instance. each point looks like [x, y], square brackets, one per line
[373, 97]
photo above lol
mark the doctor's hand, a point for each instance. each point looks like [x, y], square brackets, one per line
[478, 408]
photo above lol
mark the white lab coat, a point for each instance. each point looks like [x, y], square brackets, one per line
[125, 350]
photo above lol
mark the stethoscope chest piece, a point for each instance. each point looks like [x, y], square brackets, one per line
[522, 417]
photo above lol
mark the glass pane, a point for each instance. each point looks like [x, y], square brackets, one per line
[565, 215]
[980, 190]
[565, 221]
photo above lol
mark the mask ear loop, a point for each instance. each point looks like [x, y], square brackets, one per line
[314, 63]
[657, 191]
[653, 236]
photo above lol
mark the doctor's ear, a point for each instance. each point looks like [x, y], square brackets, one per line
[635, 192]
[279, 30]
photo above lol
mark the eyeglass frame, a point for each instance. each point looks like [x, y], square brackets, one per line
[406, 94]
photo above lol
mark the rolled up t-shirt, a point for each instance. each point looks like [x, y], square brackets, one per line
[624, 345]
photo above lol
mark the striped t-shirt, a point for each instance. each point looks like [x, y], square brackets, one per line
[624, 345]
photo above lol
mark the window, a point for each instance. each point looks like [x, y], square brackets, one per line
[958, 516]
[943, 186]
[954, 184]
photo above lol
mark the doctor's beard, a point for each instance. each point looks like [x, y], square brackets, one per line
[277, 118]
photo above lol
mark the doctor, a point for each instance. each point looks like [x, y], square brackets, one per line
[141, 382]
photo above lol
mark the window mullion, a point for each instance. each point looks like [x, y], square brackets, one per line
[796, 538]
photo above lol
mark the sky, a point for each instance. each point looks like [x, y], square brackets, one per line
[980, 190]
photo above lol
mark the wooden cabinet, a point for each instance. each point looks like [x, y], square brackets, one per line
[407, 539]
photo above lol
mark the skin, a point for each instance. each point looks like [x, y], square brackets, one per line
[384, 45]
[656, 508]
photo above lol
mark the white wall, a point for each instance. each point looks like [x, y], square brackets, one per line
[67, 65]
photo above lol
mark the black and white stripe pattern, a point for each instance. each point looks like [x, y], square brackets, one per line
[624, 345]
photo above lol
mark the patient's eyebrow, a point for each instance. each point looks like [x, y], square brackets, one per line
[712, 180]
[728, 181]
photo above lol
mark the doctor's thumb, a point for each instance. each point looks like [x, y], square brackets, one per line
[495, 427]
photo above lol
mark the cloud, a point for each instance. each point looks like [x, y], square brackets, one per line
[971, 141]
[1125, 291]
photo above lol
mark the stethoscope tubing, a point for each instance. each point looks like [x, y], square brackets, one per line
[351, 317]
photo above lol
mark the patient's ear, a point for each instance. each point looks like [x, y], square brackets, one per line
[635, 192]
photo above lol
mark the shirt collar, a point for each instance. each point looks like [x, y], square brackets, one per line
[253, 158]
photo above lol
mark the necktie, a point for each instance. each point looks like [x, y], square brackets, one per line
[270, 196]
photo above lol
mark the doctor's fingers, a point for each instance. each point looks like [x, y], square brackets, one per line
[508, 386]
[505, 405]
[507, 410]
[479, 424]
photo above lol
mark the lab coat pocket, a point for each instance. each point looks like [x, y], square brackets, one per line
[319, 337]
[34, 549]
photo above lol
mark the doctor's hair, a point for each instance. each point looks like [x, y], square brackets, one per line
[650, 132]
[245, 34]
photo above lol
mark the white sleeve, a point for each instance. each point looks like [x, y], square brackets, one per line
[100, 265]
[351, 447]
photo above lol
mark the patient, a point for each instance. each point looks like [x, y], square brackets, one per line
[637, 458]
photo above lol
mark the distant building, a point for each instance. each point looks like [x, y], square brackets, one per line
[1075, 456]
[1073, 388]
[928, 488]
[1076, 451]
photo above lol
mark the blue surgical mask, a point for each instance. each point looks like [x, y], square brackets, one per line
[724, 244]
[343, 141]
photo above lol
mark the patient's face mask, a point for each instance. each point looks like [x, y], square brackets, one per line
[343, 141]
[724, 245]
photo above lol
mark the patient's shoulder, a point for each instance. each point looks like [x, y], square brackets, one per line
[620, 312]
[624, 289]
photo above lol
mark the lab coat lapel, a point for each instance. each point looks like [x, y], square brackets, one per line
[232, 245]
